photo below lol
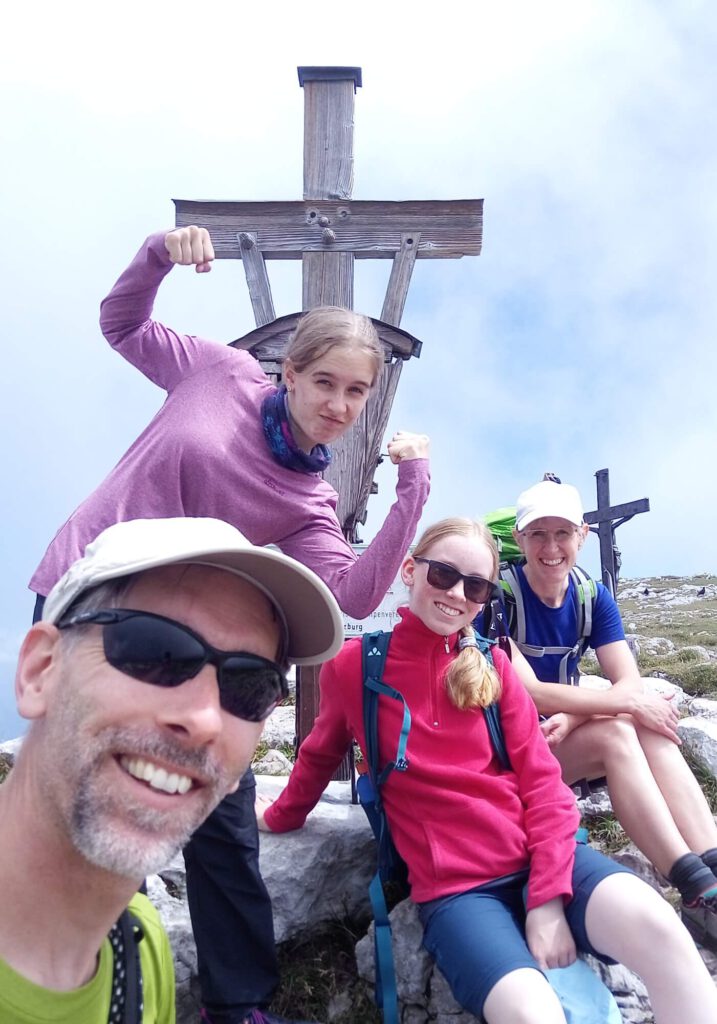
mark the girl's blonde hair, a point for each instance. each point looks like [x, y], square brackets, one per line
[328, 327]
[470, 680]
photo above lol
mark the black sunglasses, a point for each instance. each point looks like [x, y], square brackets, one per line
[445, 576]
[160, 651]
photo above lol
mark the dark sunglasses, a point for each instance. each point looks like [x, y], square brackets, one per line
[160, 651]
[445, 576]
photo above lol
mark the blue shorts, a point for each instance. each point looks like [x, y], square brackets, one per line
[477, 937]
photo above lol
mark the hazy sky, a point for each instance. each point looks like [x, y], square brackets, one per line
[581, 338]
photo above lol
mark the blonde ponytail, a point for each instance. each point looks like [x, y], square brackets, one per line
[471, 681]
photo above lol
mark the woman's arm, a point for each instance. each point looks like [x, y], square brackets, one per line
[359, 585]
[161, 354]
[626, 695]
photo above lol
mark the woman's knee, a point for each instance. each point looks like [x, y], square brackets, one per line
[616, 739]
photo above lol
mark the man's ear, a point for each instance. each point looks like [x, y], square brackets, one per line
[37, 668]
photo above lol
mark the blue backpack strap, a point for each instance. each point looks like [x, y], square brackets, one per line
[373, 658]
[492, 712]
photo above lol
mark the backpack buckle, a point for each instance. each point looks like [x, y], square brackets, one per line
[401, 764]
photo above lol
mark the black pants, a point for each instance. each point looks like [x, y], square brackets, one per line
[230, 907]
[228, 903]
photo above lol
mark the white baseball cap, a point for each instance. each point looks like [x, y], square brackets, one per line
[313, 620]
[547, 498]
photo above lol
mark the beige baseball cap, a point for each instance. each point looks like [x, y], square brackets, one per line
[313, 620]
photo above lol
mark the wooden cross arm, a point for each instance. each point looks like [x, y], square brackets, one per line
[448, 229]
[628, 508]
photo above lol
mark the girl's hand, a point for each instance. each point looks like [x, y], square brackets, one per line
[548, 936]
[262, 803]
[190, 246]
[558, 726]
[404, 446]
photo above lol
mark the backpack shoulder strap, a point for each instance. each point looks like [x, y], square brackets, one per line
[492, 712]
[126, 1002]
[513, 600]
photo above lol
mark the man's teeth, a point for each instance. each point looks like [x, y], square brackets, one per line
[157, 778]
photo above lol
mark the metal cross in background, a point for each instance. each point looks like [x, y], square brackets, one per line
[604, 521]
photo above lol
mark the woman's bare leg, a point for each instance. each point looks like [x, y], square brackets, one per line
[610, 747]
[630, 922]
[523, 997]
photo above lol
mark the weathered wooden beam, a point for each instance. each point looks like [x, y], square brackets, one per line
[328, 280]
[328, 130]
[448, 229]
[257, 279]
[401, 271]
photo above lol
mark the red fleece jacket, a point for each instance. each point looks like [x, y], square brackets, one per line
[456, 818]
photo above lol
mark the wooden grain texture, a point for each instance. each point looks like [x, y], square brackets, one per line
[327, 279]
[448, 229]
[328, 139]
[401, 271]
[257, 279]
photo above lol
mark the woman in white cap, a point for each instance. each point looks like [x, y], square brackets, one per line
[623, 732]
[228, 444]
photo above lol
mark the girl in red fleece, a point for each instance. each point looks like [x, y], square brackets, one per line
[502, 888]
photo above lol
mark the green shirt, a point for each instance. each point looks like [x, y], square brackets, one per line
[23, 1002]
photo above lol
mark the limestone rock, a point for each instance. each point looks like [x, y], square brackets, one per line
[700, 736]
[280, 727]
[273, 763]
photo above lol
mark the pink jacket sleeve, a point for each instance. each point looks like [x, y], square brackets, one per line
[551, 814]
[321, 752]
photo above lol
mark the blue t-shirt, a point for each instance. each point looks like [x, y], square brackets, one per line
[558, 627]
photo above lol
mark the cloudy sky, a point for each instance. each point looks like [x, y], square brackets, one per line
[581, 338]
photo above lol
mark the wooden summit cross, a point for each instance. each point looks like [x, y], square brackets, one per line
[607, 518]
[327, 231]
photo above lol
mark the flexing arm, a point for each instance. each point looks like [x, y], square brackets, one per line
[360, 585]
[161, 354]
[625, 696]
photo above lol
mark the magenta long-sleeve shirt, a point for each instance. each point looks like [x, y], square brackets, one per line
[205, 454]
[457, 819]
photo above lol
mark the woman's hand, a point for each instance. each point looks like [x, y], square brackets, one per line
[404, 446]
[548, 936]
[262, 804]
[657, 713]
[190, 245]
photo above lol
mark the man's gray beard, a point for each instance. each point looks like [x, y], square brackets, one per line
[123, 837]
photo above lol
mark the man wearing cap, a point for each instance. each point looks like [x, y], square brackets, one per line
[624, 732]
[147, 682]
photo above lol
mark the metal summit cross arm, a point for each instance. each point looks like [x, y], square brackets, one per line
[328, 231]
[605, 520]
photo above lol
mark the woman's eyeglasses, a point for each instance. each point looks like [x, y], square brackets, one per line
[543, 536]
[160, 651]
[445, 576]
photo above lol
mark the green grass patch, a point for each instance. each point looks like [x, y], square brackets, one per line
[605, 832]
[318, 971]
